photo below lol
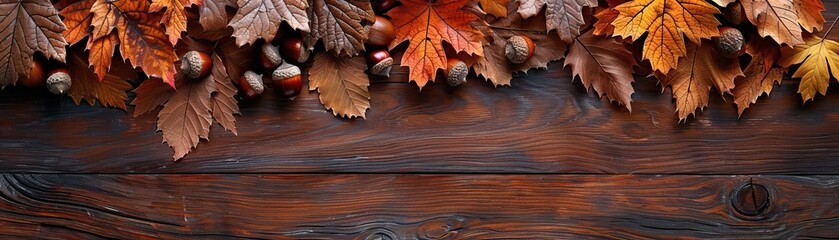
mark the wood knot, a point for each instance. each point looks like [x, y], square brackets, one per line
[751, 199]
[381, 235]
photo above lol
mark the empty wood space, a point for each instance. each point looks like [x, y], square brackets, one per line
[542, 159]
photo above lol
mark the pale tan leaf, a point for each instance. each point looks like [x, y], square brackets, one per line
[261, 19]
[341, 83]
[564, 16]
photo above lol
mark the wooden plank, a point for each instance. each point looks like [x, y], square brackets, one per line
[412, 206]
[544, 123]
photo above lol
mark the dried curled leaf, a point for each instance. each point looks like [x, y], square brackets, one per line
[426, 25]
[667, 23]
[564, 16]
[342, 25]
[816, 56]
[110, 92]
[495, 67]
[780, 19]
[27, 26]
[174, 18]
[342, 84]
[692, 80]
[604, 64]
[261, 19]
[760, 74]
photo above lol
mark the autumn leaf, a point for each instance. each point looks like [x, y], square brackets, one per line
[110, 92]
[604, 64]
[213, 14]
[138, 33]
[692, 79]
[667, 22]
[28, 26]
[495, 67]
[341, 83]
[426, 24]
[261, 19]
[150, 95]
[816, 56]
[342, 25]
[603, 25]
[233, 60]
[186, 118]
[174, 18]
[760, 74]
[77, 18]
[780, 19]
[564, 16]
[496, 8]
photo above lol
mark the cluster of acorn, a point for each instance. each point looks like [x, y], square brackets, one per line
[57, 80]
[730, 42]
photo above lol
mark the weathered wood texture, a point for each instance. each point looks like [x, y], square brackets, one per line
[410, 206]
[544, 123]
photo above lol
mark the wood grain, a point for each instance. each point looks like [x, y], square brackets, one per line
[544, 123]
[410, 206]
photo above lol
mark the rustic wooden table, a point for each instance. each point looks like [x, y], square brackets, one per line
[542, 159]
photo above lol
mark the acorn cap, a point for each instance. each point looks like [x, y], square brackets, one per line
[285, 71]
[255, 81]
[59, 82]
[456, 73]
[196, 64]
[383, 67]
[272, 54]
[518, 49]
[730, 42]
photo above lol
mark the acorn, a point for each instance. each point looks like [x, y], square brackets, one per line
[381, 32]
[734, 13]
[251, 84]
[293, 49]
[730, 42]
[36, 75]
[287, 80]
[456, 71]
[380, 62]
[382, 6]
[269, 56]
[519, 49]
[196, 65]
[59, 81]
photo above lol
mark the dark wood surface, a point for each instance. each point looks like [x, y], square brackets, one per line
[542, 159]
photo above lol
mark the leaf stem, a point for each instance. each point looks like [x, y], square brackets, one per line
[518, 30]
[830, 28]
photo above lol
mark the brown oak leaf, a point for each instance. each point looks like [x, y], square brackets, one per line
[341, 83]
[426, 25]
[110, 92]
[667, 22]
[495, 67]
[604, 64]
[564, 16]
[780, 19]
[174, 18]
[760, 74]
[26, 27]
[213, 14]
[692, 79]
[342, 25]
[261, 19]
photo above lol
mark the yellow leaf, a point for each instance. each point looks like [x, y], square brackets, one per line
[816, 56]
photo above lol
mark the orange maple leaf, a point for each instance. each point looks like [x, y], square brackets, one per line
[174, 18]
[426, 24]
[668, 22]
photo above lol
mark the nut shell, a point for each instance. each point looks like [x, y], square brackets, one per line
[287, 80]
[269, 56]
[36, 75]
[251, 84]
[380, 62]
[519, 48]
[196, 64]
[730, 42]
[381, 32]
[293, 49]
[456, 72]
[59, 81]
[734, 13]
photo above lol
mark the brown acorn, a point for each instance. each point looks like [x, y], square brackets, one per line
[382, 6]
[287, 80]
[381, 32]
[380, 62]
[196, 65]
[59, 81]
[730, 42]
[294, 50]
[456, 71]
[734, 13]
[251, 84]
[269, 56]
[519, 48]
[36, 75]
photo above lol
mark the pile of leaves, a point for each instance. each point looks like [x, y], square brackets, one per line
[604, 43]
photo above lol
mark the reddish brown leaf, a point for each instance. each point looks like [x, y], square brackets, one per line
[760, 74]
[214, 15]
[186, 116]
[604, 64]
[150, 95]
[342, 84]
[110, 92]
[174, 18]
[342, 25]
[223, 100]
[102, 54]
[77, 18]
[603, 26]
[426, 25]
[261, 18]
[564, 16]
[26, 27]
